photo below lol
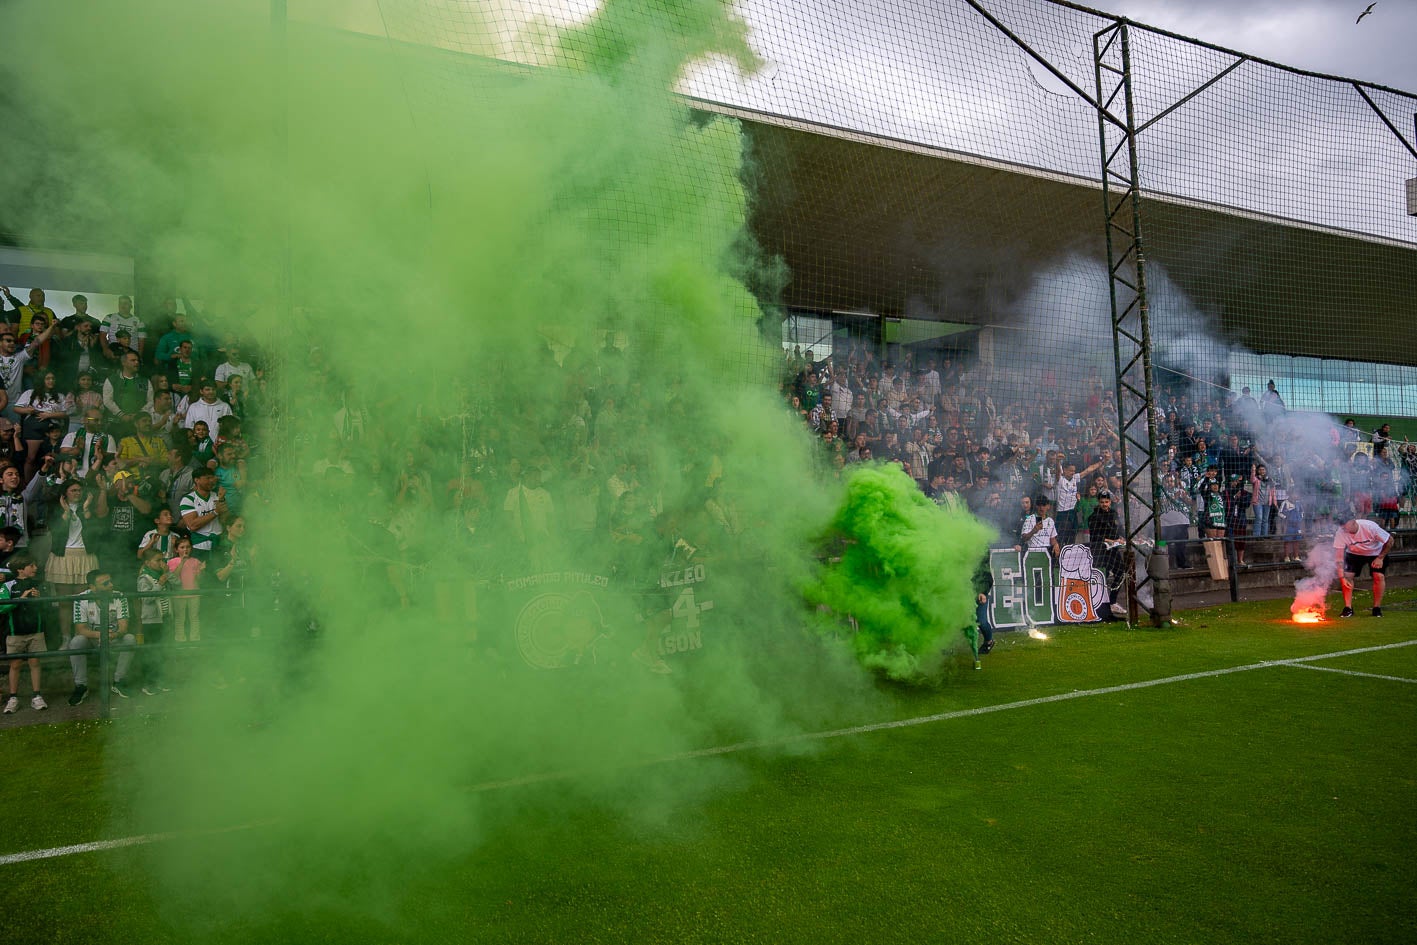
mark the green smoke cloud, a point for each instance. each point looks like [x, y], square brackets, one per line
[523, 413]
[905, 571]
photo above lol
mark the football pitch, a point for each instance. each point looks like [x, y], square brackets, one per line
[1234, 779]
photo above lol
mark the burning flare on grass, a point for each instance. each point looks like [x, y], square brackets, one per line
[1311, 591]
[1037, 634]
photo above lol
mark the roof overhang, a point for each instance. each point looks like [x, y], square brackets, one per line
[872, 224]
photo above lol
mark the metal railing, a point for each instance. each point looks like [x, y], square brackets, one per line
[107, 648]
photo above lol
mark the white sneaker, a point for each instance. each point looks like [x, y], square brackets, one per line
[1118, 610]
[11, 704]
[38, 703]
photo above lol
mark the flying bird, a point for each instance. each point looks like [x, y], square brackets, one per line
[1366, 12]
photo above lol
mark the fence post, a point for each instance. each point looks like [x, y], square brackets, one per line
[105, 697]
[1234, 569]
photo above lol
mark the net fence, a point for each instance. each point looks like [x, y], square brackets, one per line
[887, 219]
[924, 184]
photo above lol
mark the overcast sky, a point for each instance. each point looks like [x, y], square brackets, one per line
[935, 72]
[1312, 34]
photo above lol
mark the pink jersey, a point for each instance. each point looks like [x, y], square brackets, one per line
[186, 570]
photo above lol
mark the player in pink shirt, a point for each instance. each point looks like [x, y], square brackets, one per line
[1360, 543]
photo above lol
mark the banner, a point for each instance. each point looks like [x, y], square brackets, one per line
[1028, 592]
[567, 618]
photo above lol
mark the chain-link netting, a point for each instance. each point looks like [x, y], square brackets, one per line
[897, 211]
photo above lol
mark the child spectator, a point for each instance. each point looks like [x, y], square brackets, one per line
[229, 431]
[153, 577]
[120, 345]
[160, 536]
[186, 608]
[1186, 473]
[203, 447]
[23, 629]
[9, 536]
[1214, 512]
[49, 454]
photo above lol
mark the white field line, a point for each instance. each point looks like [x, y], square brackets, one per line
[1021, 704]
[1351, 672]
[101, 845]
[94, 847]
[756, 744]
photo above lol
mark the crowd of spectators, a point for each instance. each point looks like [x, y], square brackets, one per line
[124, 447]
[1232, 465]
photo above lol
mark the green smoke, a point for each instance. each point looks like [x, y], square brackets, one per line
[904, 573]
[498, 274]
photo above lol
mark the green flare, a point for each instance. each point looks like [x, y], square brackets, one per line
[905, 571]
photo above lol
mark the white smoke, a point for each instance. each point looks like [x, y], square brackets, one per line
[1191, 356]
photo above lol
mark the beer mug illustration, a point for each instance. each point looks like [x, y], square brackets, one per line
[1081, 591]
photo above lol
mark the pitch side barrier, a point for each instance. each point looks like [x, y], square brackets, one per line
[1030, 588]
[545, 619]
[107, 649]
[560, 618]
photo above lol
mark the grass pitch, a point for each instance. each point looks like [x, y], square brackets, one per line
[1273, 804]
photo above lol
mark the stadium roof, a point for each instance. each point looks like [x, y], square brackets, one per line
[866, 223]
[897, 229]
